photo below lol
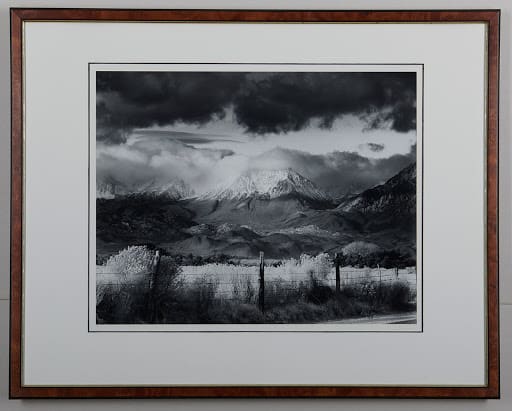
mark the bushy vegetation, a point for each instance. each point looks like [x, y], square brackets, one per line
[317, 267]
[141, 290]
[356, 254]
[303, 268]
[197, 260]
[296, 291]
[131, 261]
[361, 254]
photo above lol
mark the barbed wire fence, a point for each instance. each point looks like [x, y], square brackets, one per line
[250, 284]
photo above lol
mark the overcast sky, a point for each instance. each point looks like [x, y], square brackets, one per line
[345, 131]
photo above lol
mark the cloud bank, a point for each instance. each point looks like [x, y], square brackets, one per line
[158, 159]
[262, 103]
[339, 172]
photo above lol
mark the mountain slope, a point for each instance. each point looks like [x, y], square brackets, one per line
[131, 220]
[396, 196]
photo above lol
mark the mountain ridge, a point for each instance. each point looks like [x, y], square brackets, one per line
[275, 215]
[111, 188]
[397, 193]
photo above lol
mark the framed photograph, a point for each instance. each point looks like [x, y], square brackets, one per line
[225, 203]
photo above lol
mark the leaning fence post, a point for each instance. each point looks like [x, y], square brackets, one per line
[337, 265]
[261, 296]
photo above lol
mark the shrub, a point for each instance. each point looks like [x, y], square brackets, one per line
[121, 303]
[396, 295]
[279, 292]
[361, 248]
[136, 294]
[306, 267]
[361, 254]
[131, 261]
[318, 293]
[202, 295]
[241, 313]
[243, 289]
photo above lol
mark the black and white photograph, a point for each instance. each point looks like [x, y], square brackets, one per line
[279, 196]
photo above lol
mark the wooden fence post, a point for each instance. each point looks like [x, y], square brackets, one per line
[154, 285]
[337, 265]
[261, 296]
[380, 284]
[154, 268]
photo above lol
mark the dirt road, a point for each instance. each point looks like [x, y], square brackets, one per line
[400, 318]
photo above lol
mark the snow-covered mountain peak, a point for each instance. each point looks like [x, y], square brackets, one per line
[269, 184]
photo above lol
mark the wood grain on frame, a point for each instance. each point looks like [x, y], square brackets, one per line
[18, 16]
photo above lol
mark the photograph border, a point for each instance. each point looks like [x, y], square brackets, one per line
[20, 15]
[419, 206]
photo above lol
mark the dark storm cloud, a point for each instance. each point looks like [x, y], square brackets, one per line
[284, 102]
[262, 102]
[128, 100]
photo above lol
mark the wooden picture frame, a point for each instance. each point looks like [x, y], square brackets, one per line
[21, 16]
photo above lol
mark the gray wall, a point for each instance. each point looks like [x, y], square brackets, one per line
[286, 404]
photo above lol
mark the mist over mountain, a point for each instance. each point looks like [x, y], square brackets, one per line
[150, 162]
[279, 212]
